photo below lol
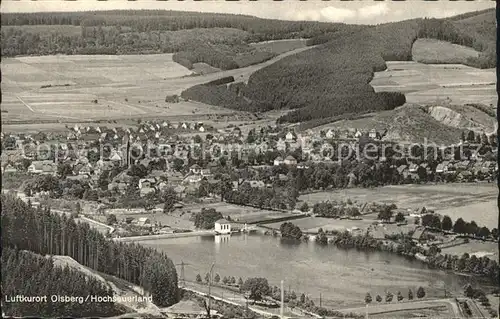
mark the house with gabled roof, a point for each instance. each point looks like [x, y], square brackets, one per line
[290, 136]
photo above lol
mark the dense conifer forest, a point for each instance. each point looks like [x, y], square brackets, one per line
[333, 78]
[40, 231]
[28, 274]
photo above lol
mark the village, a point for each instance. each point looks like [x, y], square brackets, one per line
[151, 179]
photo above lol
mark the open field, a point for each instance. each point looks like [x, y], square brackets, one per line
[97, 87]
[475, 201]
[476, 247]
[242, 214]
[485, 213]
[312, 224]
[433, 51]
[437, 83]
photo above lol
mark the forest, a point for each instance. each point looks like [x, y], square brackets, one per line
[226, 36]
[42, 232]
[29, 274]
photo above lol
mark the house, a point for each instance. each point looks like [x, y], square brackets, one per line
[256, 184]
[402, 170]
[373, 134]
[442, 167]
[302, 166]
[418, 234]
[290, 160]
[201, 129]
[8, 168]
[195, 169]
[42, 167]
[82, 169]
[290, 136]
[222, 226]
[278, 161]
[146, 182]
[330, 134]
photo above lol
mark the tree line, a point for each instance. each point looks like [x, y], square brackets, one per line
[46, 233]
[149, 31]
[459, 227]
[27, 274]
[389, 296]
[154, 20]
[403, 245]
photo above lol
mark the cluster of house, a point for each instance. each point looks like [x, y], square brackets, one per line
[175, 146]
[463, 170]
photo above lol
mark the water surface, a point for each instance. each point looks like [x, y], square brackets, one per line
[341, 277]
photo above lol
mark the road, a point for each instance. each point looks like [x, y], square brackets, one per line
[476, 311]
[163, 236]
[236, 298]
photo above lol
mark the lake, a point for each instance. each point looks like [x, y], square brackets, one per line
[341, 277]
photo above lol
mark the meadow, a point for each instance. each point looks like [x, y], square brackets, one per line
[73, 88]
[477, 247]
[437, 83]
[242, 214]
[468, 201]
[93, 87]
[433, 51]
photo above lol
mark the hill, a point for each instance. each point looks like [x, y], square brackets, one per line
[408, 123]
[327, 81]
[440, 124]
[333, 79]
[151, 31]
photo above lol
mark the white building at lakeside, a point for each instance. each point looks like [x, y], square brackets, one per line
[222, 226]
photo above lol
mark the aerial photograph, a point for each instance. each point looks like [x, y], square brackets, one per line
[251, 159]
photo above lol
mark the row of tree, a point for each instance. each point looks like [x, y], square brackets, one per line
[28, 274]
[333, 210]
[231, 280]
[46, 233]
[161, 20]
[459, 227]
[399, 296]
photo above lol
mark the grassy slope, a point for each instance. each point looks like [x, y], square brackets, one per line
[120, 287]
[431, 51]
[408, 123]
